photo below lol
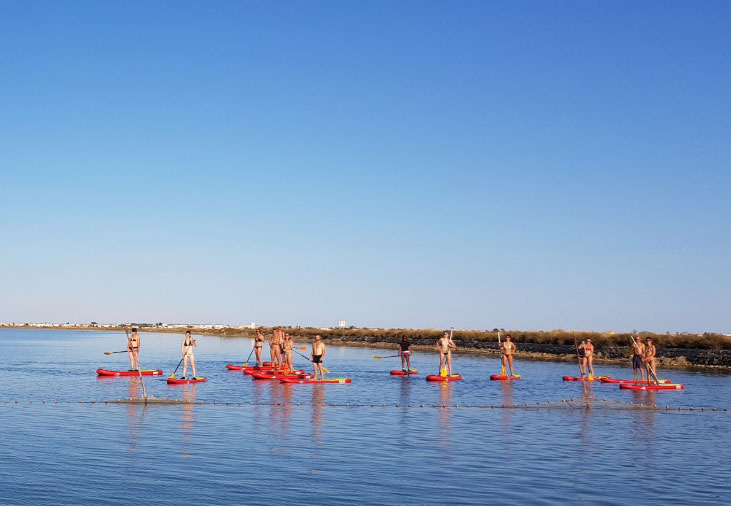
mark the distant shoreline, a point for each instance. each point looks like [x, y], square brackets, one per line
[712, 351]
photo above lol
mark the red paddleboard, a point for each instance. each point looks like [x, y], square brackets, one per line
[437, 377]
[665, 386]
[232, 367]
[251, 370]
[585, 378]
[498, 377]
[631, 382]
[401, 372]
[267, 375]
[328, 380]
[145, 372]
[180, 381]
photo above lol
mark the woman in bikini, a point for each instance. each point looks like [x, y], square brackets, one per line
[186, 348]
[133, 350]
[287, 347]
[258, 345]
[403, 350]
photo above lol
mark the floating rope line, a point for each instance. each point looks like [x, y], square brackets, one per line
[574, 404]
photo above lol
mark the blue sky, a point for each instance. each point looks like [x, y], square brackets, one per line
[531, 165]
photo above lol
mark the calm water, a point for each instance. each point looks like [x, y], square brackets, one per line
[263, 446]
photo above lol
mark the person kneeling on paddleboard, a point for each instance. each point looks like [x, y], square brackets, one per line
[445, 345]
[508, 350]
[317, 356]
[186, 348]
[403, 350]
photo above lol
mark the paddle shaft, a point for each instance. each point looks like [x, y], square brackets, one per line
[308, 359]
[176, 368]
[502, 355]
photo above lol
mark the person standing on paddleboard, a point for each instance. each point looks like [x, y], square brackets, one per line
[588, 360]
[287, 347]
[638, 352]
[508, 350]
[445, 345]
[275, 348]
[650, 352]
[258, 345]
[581, 351]
[317, 356]
[403, 350]
[186, 348]
[133, 350]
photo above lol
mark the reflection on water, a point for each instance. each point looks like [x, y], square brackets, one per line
[445, 414]
[318, 408]
[135, 415]
[506, 391]
[187, 420]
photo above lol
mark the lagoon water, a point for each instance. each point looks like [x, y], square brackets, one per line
[301, 443]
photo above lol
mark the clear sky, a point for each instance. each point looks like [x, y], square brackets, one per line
[531, 165]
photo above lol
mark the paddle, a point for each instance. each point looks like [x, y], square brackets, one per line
[308, 359]
[387, 356]
[643, 361]
[502, 355]
[113, 352]
[176, 368]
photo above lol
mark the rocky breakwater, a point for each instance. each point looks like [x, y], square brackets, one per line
[666, 357]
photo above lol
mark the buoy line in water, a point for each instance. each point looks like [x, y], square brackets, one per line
[592, 404]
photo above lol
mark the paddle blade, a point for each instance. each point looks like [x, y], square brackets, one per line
[378, 358]
[502, 371]
[325, 369]
[443, 372]
[108, 352]
[302, 348]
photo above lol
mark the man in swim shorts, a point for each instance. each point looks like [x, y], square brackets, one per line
[317, 356]
[445, 345]
[133, 350]
[275, 348]
[638, 352]
[508, 350]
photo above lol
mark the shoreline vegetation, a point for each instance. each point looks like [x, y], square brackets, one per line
[679, 351]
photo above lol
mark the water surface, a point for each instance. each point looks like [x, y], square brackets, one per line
[370, 442]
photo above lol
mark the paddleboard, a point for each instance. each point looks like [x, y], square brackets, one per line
[328, 380]
[666, 386]
[181, 381]
[498, 377]
[437, 377]
[631, 381]
[401, 372]
[232, 367]
[267, 375]
[585, 378]
[145, 372]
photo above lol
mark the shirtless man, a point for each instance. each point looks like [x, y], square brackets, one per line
[186, 348]
[649, 357]
[317, 356]
[275, 348]
[258, 345]
[287, 346]
[445, 345]
[133, 350]
[638, 353]
[508, 350]
[588, 359]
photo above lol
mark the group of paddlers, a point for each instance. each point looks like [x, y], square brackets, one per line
[187, 347]
[643, 359]
[281, 349]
